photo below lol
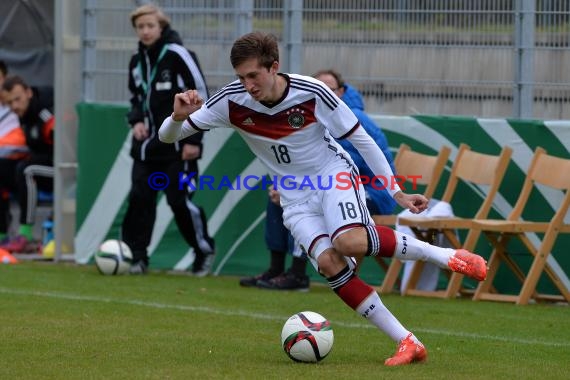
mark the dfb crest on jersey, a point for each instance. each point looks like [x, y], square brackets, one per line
[296, 118]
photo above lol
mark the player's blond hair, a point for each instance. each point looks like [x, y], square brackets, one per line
[150, 9]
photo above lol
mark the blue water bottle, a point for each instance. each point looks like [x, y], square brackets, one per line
[47, 228]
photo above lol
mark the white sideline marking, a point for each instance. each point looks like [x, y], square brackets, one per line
[245, 313]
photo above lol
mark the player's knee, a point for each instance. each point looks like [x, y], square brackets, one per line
[352, 243]
[330, 263]
[343, 245]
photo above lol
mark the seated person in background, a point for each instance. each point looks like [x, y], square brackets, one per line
[379, 202]
[34, 107]
[12, 149]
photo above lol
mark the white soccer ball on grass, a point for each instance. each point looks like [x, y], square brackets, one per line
[307, 337]
[113, 257]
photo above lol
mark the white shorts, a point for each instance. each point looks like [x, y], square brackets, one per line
[317, 220]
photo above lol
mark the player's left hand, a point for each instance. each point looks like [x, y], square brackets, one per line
[416, 203]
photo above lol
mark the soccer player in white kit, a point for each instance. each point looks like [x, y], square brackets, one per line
[288, 121]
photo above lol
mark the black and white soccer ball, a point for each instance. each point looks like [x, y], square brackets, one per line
[113, 257]
[307, 337]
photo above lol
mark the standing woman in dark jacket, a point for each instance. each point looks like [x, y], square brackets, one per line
[161, 68]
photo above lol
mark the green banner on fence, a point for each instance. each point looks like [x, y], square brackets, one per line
[236, 218]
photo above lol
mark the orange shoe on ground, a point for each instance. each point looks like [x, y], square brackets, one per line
[469, 264]
[408, 352]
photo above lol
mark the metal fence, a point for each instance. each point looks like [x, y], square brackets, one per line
[486, 58]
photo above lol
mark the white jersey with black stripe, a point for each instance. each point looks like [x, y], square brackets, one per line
[291, 137]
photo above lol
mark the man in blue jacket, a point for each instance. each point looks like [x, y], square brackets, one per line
[379, 200]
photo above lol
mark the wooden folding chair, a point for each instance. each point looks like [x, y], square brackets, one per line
[421, 169]
[554, 174]
[475, 169]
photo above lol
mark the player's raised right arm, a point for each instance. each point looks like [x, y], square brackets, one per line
[176, 126]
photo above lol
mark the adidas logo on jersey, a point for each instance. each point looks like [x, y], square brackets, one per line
[248, 121]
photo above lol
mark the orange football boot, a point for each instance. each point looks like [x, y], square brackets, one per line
[408, 352]
[469, 264]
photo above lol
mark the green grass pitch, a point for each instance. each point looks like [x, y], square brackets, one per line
[69, 322]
